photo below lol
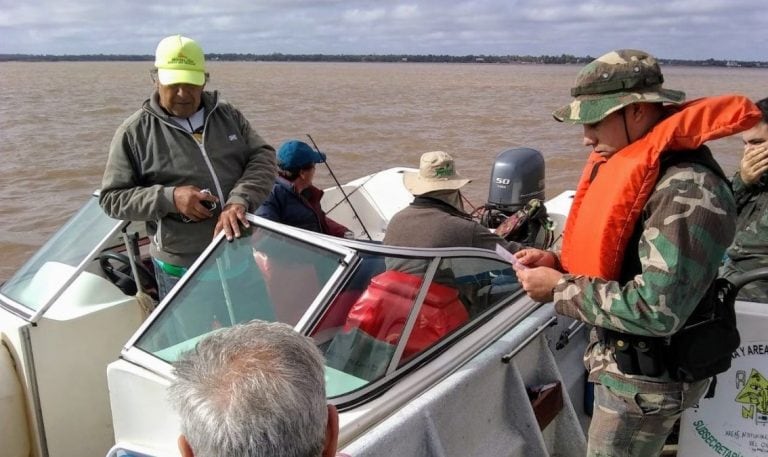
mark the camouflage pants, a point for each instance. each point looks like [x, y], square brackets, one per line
[629, 425]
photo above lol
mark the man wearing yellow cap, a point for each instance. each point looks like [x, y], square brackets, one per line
[187, 163]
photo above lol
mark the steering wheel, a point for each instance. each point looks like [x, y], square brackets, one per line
[117, 268]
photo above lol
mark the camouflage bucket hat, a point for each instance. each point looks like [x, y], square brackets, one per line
[613, 81]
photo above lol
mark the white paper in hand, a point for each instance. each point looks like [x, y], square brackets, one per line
[508, 256]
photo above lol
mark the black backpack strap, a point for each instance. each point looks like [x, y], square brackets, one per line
[701, 156]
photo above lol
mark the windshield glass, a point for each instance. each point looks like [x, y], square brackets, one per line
[367, 320]
[266, 275]
[362, 327]
[43, 275]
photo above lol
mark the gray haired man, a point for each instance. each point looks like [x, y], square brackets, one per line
[256, 390]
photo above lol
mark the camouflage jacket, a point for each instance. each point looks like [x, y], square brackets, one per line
[687, 224]
[750, 247]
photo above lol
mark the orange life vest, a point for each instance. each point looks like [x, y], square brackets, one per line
[607, 206]
[382, 311]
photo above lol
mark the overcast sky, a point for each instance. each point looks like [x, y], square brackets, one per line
[687, 29]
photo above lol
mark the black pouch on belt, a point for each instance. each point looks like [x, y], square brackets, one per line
[635, 355]
[623, 352]
[650, 356]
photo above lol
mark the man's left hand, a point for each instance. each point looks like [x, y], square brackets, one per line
[539, 283]
[230, 219]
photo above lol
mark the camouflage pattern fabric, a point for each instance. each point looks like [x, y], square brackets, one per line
[613, 81]
[637, 425]
[688, 224]
[750, 247]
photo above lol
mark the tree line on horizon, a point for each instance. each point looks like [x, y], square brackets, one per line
[422, 58]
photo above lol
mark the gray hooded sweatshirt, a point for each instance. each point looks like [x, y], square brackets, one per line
[151, 154]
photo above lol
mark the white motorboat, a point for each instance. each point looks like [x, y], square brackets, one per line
[71, 309]
[84, 373]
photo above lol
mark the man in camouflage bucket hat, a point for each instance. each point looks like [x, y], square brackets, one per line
[686, 223]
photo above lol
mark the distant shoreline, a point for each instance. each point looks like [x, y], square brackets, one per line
[430, 58]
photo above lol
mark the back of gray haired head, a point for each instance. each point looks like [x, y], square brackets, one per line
[256, 390]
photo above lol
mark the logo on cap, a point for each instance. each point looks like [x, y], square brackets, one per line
[181, 59]
[444, 171]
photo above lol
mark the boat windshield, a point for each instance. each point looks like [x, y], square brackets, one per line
[371, 309]
[43, 276]
[266, 275]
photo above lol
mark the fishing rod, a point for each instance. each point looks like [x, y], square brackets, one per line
[338, 184]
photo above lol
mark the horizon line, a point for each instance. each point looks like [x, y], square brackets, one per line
[478, 58]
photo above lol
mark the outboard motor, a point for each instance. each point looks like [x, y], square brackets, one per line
[517, 176]
[515, 206]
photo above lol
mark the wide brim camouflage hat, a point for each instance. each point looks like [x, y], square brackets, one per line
[613, 81]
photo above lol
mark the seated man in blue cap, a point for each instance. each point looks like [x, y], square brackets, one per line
[294, 200]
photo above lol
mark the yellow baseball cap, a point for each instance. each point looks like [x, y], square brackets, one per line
[180, 60]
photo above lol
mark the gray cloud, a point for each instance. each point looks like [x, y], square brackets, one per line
[690, 29]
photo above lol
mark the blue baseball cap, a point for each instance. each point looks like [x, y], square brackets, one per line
[297, 154]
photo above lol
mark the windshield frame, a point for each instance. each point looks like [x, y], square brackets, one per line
[396, 369]
[135, 354]
[353, 251]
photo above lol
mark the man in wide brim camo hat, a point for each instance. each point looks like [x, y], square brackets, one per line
[613, 81]
[650, 221]
[436, 217]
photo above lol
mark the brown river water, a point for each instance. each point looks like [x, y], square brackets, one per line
[57, 119]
